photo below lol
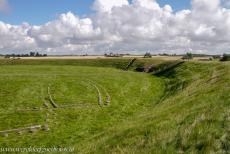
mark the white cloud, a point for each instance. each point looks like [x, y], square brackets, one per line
[206, 5]
[15, 38]
[107, 5]
[118, 25]
[68, 29]
[147, 4]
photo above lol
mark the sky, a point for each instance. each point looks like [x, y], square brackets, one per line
[41, 11]
[123, 26]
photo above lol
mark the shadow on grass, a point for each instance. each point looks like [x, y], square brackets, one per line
[173, 84]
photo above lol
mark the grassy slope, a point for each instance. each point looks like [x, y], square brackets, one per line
[193, 117]
[119, 63]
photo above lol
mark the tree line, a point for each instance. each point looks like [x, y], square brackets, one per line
[31, 54]
[225, 57]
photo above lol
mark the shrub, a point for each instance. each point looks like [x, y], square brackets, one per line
[226, 57]
[188, 56]
[147, 55]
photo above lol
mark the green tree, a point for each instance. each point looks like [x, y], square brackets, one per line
[226, 57]
[147, 55]
[188, 56]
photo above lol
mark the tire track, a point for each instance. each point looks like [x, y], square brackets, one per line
[108, 97]
[20, 131]
[100, 98]
[51, 99]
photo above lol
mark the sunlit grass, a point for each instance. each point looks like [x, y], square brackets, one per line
[183, 110]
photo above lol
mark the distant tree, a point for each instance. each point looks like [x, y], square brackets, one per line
[7, 56]
[32, 54]
[147, 55]
[216, 57]
[37, 54]
[165, 54]
[226, 57]
[188, 56]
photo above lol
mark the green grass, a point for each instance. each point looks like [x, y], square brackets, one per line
[119, 63]
[183, 110]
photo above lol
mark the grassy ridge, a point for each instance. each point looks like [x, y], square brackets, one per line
[119, 63]
[193, 119]
[181, 110]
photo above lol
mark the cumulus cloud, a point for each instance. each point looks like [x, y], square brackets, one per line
[68, 29]
[120, 26]
[108, 5]
[15, 38]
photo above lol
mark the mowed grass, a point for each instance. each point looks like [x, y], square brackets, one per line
[183, 110]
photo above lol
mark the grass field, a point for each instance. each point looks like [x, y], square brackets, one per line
[102, 109]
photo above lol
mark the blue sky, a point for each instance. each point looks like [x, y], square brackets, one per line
[41, 11]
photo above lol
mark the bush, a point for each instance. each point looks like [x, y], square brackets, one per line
[226, 57]
[188, 56]
[147, 55]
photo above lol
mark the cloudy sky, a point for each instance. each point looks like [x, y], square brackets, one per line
[123, 26]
